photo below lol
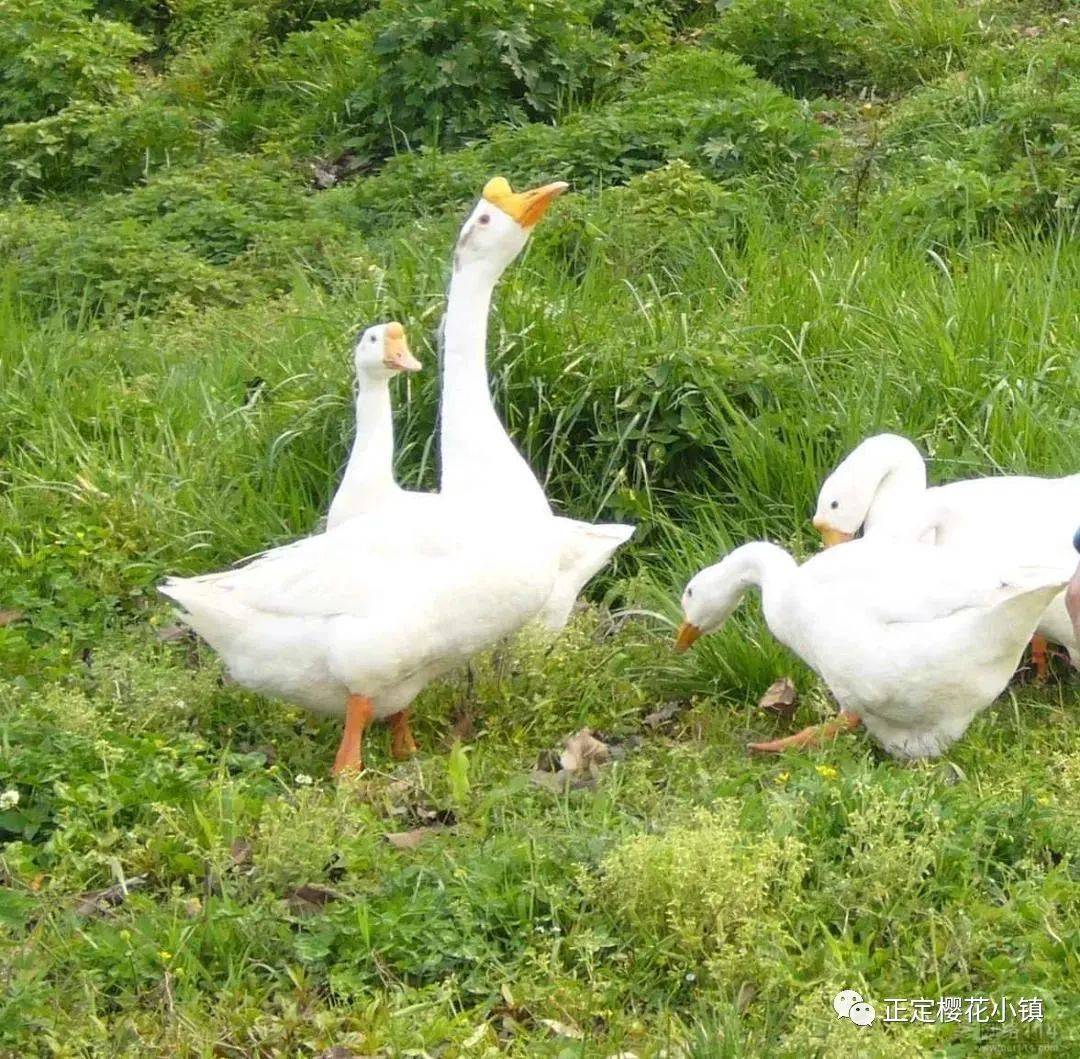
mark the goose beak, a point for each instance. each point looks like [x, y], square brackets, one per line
[526, 207]
[830, 536]
[396, 355]
[686, 637]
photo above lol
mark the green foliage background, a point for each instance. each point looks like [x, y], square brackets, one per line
[793, 223]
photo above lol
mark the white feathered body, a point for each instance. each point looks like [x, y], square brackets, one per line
[914, 639]
[378, 606]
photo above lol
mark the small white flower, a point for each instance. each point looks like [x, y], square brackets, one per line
[690, 976]
[9, 799]
[304, 780]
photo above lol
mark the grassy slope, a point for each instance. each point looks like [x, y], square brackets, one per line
[723, 354]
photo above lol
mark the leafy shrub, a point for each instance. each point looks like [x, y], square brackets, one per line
[809, 47]
[216, 211]
[207, 236]
[701, 105]
[95, 145]
[699, 895]
[51, 54]
[81, 267]
[996, 145]
[440, 70]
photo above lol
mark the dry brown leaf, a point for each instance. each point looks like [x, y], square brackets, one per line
[240, 853]
[584, 750]
[309, 898]
[781, 698]
[9, 616]
[561, 1029]
[668, 712]
[100, 901]
[464, 727]
[410, 839]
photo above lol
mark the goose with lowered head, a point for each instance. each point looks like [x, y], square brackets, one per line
[880, 488]
[912, 640]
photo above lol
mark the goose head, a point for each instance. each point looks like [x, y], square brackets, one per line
[1072, 593]
[708, 601]
[382, 351]
[882, 477]
[844, 502]
[500, 225]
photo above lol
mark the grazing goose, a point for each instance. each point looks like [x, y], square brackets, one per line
[880, 488]
[368, 483]
[912, 640]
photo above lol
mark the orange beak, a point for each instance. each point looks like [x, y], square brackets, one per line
[396, 355]
[830, 536]
[686, 637]
[526, 207]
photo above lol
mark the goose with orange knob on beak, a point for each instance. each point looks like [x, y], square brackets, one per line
[880, 489]
[911, 639]
[356, 621]
[480, 462]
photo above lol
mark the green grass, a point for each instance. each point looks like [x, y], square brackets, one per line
[731, 299]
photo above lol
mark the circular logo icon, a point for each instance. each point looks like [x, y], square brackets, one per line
[862, 1014]
[843, 1001]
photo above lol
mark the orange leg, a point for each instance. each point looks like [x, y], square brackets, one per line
[815, 735]
[1040, 658]
[358, 715]
[402, 744]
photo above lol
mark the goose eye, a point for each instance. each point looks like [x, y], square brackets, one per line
[835, 504]
[485, 218]
[374, 338]
[689, 593]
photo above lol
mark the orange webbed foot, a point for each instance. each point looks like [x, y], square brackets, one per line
[358, 715]
[1040, 658]
[815, 735]
[402, 744]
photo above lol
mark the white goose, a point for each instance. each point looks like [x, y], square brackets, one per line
[911, 639]
[368, 483]
[359, 619]
[880, 487]
[479, 462]
[477, 457]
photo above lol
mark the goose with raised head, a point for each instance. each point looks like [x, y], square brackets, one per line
[368, 482]
[478, 458]
[912, 640]
[880, 489]
[357, 620]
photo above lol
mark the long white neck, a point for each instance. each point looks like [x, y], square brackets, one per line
[767, 567]
[757, 565]
[901, 484]
[478, 459]
[369, 474]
